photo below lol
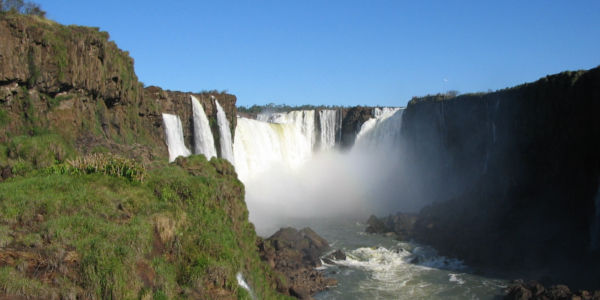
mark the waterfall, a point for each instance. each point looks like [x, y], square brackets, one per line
[174, 133]
[381, 112]
[287, 177]
[225, 133]
[241, 282]
[261, 145]
[383, 129]
[304, 120]
[203, 138]
[328, 128]
[340, 129]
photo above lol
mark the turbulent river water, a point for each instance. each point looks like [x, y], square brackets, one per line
[379, 267]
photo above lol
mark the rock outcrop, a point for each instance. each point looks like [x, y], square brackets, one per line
[296, 254]
[400, 225]
[353, 118]
[73, 81]
[512, 175]
[534, 290]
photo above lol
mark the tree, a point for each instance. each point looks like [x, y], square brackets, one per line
[34, 9]
[452, 93]
[22, 7]
[14, 6]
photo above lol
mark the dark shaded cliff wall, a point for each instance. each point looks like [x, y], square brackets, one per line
[513, 173]
[73, 81]
[352, 120]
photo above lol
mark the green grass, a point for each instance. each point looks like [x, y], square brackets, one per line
[39, 151]
[15, 284]
[3, 117]
[113, 226]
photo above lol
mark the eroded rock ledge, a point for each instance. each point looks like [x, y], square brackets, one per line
[534, 290]
[296, 255]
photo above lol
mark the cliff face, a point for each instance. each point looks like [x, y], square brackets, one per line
[178, 103]
[514, 174]
[73, 81]
[352, 120]
[180, 231]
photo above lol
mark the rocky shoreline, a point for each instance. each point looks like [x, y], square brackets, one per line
[404, 226]
[296, 254]
[534, 290]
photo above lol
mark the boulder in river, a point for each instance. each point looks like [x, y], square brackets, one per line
[296, 254]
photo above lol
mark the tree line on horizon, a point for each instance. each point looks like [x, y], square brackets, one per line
[22, 7]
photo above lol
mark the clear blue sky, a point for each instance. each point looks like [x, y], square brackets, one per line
[343, 52]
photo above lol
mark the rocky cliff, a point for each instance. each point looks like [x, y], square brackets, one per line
[513, 174]
[76, 225]
[74, 82]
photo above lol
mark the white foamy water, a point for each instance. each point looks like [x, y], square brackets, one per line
[204, 142]
[174, 136]
[378, 267]
[327, 120]
[224, 133]
[285, 142]
[381, 131]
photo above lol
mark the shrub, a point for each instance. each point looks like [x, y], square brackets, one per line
[107, 164]
[40, 151]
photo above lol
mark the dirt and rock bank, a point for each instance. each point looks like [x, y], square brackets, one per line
[296, 254]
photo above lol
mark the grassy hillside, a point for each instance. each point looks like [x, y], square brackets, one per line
[183, 232]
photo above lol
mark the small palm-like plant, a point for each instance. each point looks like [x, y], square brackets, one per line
[107, 164]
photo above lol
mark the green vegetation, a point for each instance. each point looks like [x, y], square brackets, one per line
[104, 226]
[21, 7]
[35, 152]
[182, 233]
[106, 164]
[54, 102]
[3, 117]
[272, 107]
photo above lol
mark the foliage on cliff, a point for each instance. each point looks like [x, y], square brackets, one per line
[183, 232]
[78, 221]
[22, 7]
[274, 108]
[71, 86]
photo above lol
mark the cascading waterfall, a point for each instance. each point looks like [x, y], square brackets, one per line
[261, 145]
[225, 134]
[381, 112]
[174, 134]
[328, 128]
[304, 120]
[203, 139]
[383, 129]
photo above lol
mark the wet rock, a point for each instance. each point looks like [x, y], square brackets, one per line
[518, 292]
[399, 226]
[300, 292]
[296, 254]
[375, 225]
[336, 255]
[535, 291]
